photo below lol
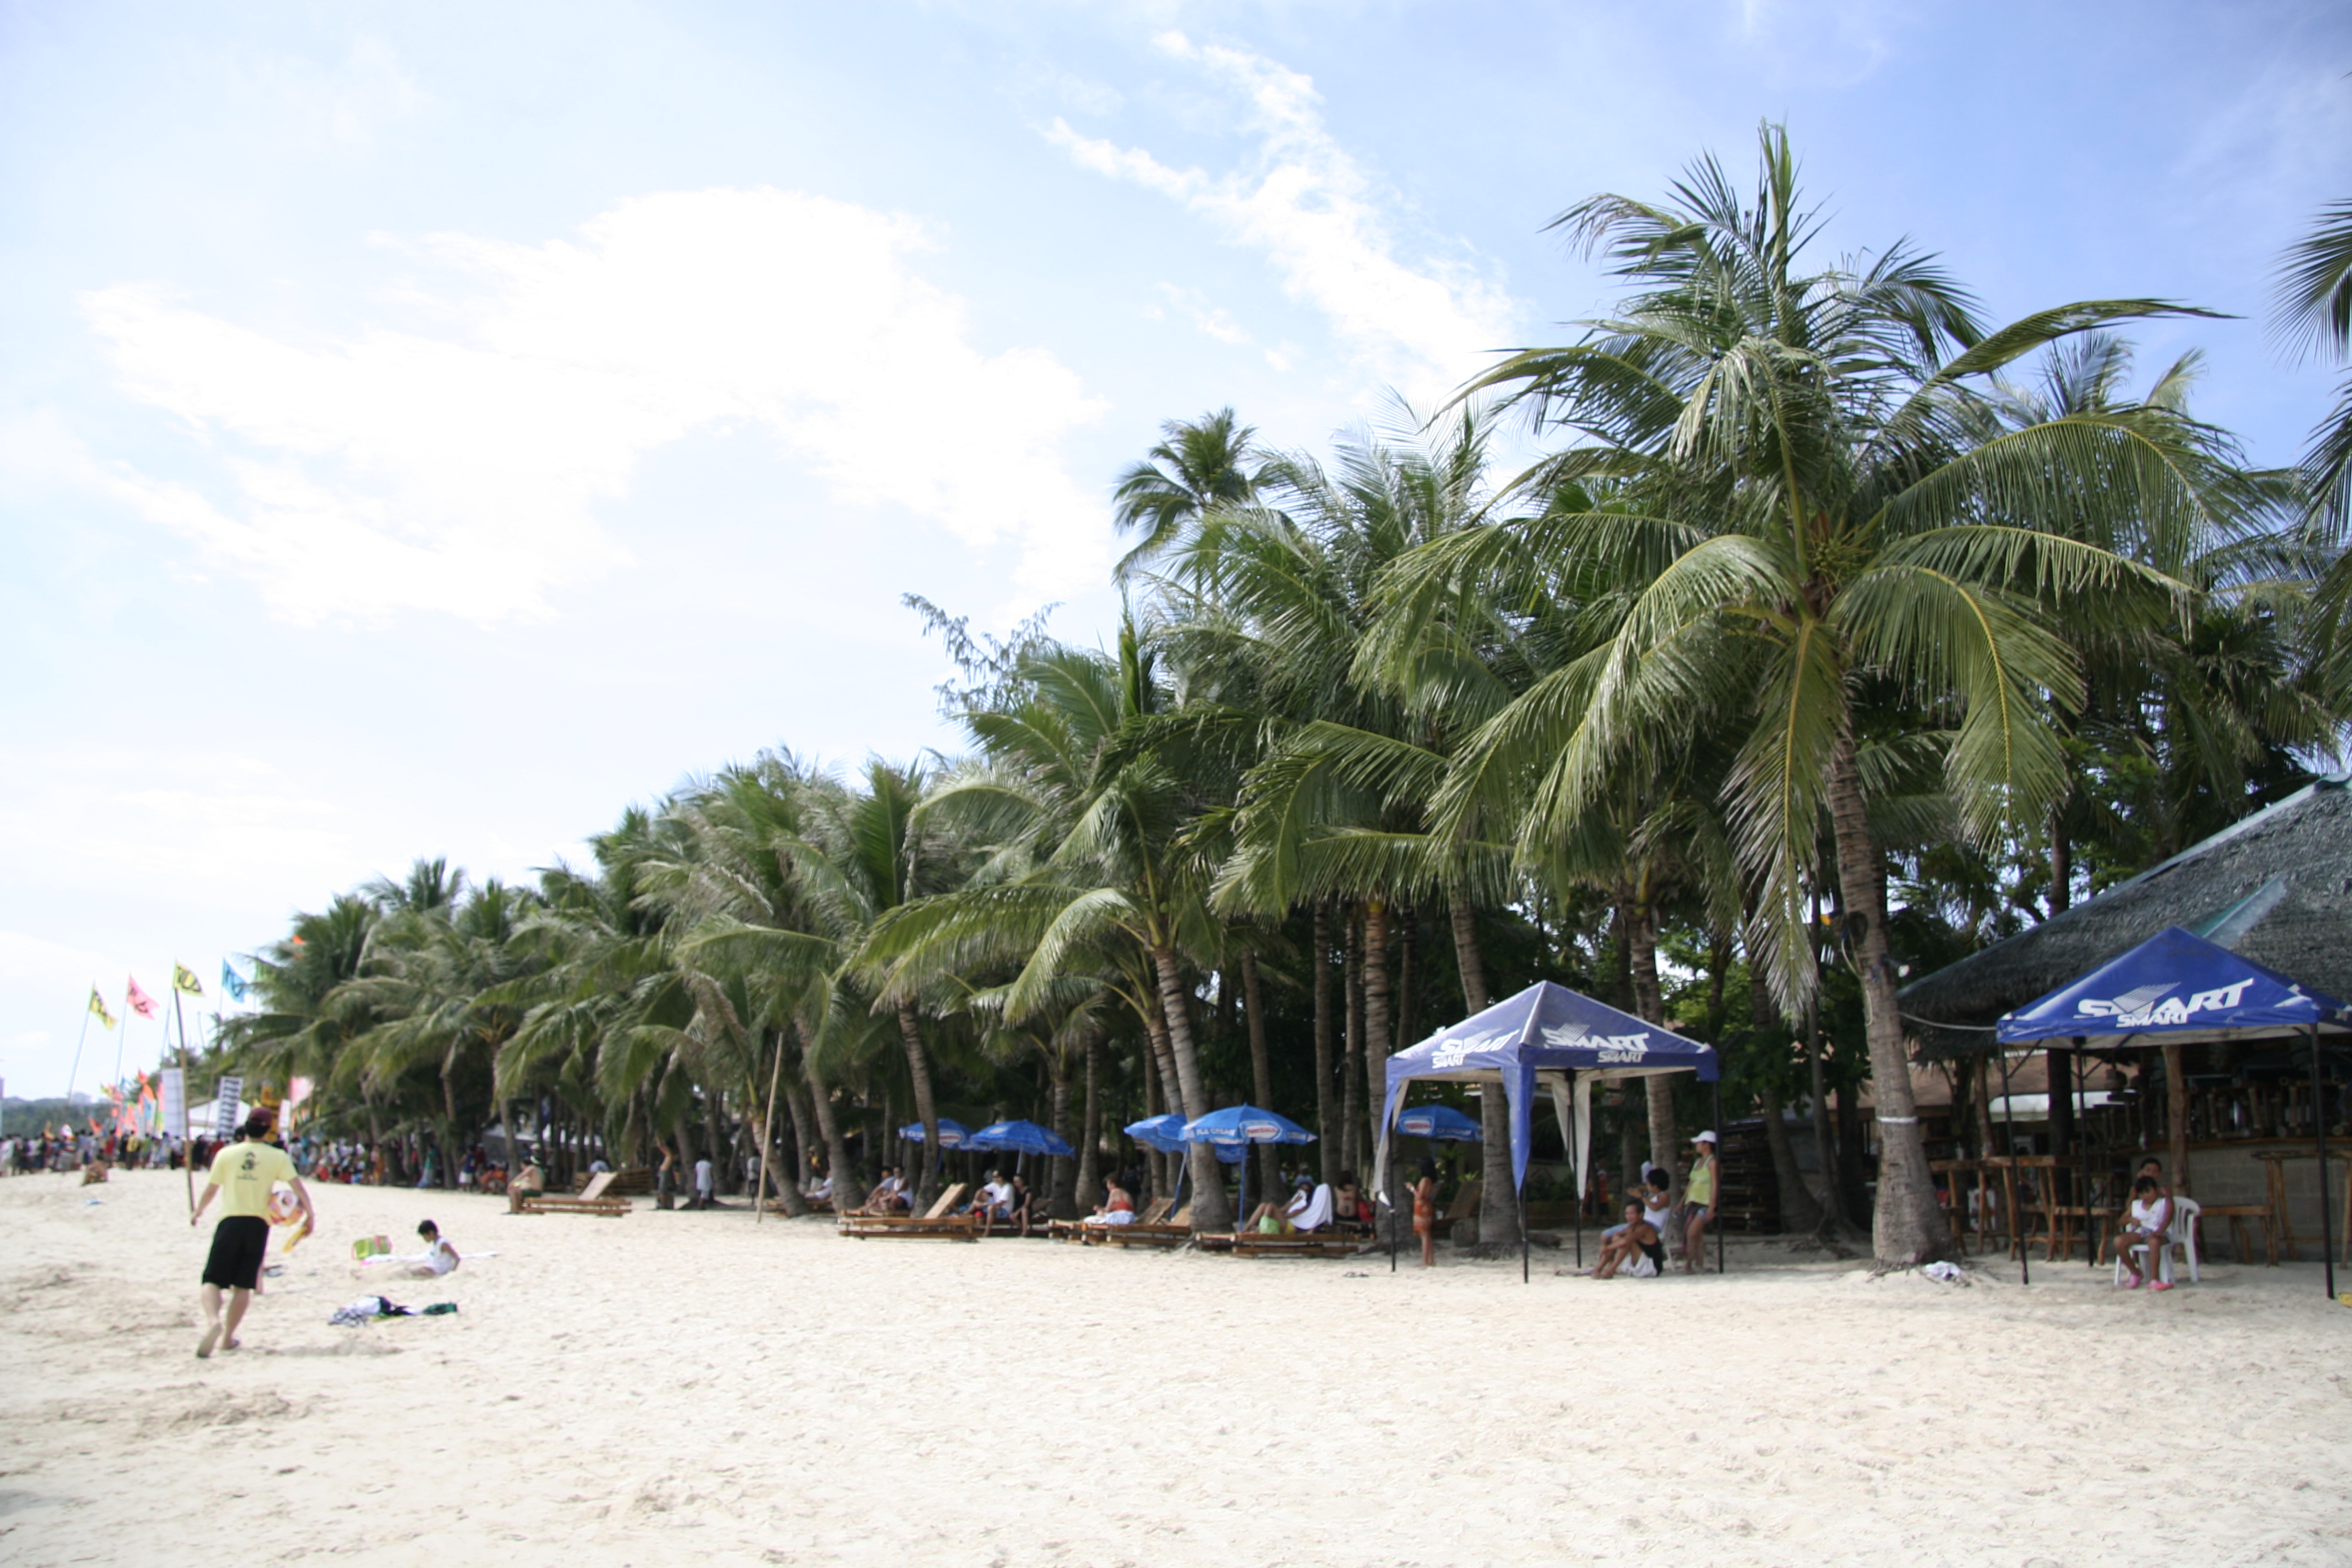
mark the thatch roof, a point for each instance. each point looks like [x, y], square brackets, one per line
[2276, 887]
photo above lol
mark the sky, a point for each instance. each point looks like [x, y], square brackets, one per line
[426, 429]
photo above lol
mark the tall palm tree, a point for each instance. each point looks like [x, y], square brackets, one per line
[1816, 500]
[1198, 466]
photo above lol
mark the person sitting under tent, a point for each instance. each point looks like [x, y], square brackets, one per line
[2151, 1219]
[1312, 1208]
[1635, 1248]
[1653, 1193]
[1117, 1208]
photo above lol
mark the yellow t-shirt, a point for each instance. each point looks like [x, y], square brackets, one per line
[1700, 1188]
[244, 1173]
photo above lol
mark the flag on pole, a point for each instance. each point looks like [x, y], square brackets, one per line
[139, 1001]
[231, 984]
[185, 979]
[98, 1009]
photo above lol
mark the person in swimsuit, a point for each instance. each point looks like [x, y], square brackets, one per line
[1636, 1248]
[1424, 1213]
[1117, 1208]
[1698, 1197]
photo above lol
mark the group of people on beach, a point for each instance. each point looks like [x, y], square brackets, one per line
[1637, 1248]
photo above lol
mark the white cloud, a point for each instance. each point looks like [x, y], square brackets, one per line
[1321, 220]
[463, 473]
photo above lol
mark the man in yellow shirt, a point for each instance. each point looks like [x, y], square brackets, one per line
[243, 1174]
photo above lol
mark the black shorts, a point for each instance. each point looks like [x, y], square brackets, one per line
[238, 1243]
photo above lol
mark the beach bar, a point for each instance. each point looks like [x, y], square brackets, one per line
[2235, 1112]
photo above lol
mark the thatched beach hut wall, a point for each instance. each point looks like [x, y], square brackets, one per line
[2276, 887]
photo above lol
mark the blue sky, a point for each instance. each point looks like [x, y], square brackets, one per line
[427, 428]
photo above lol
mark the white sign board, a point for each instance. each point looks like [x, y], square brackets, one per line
[225, 1110]
[174, 1090]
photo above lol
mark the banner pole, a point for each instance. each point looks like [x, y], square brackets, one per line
[2008, 1182]
[187, 1162]
[74, 1072]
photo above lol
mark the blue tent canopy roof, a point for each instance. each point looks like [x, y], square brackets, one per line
[1545, 1028]
[2175, 985]
[1439, 1121]
[1017, 1137]
[953, 1134]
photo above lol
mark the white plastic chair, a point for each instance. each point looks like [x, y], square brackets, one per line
[2180, 1234]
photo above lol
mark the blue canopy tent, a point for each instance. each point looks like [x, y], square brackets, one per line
[2177, 986]
[1550, 1037]
[1236, 1127]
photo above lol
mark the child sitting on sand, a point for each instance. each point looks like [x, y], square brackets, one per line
[440, 1257]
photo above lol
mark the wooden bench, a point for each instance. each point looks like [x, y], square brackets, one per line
[941, 1222]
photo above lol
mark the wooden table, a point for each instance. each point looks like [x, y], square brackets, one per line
[2281, 1226]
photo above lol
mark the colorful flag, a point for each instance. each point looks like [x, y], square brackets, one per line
[231, 984]
[139, 1001]
[185, 979]
[98, 1008]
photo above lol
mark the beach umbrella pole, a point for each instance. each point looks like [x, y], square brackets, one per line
[2319, 1122]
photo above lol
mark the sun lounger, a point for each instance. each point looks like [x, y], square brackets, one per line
[1174, 1231]
[592, 1200]
[1318, 1244]
[1089, 1233]
[941, 1222]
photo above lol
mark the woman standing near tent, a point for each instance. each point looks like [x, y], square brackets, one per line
[1424, 1213]
[1698, 1201]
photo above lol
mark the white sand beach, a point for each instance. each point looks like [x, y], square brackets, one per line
[691, 1388]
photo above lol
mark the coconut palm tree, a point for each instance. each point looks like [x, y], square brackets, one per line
[1197, 467]
[1813, 501]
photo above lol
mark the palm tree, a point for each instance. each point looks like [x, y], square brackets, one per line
[1813, 504]
[1198, 466]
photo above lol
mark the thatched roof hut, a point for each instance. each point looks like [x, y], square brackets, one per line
[2276, 887]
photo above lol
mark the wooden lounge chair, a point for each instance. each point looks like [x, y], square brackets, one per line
[1173, 1231]
[592, 1200]
[941, 1222]
[1085, 1235]
[1319, 1244]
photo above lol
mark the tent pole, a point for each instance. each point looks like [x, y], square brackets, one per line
[1523, 1230]
[2083, 1158]
[1718, 1215]
[2009, 1183]
[1576, 1158]
[2319, 1122]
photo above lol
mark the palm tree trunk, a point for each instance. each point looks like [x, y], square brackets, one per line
[1906, 1226]
[1353, 1094]
[1641, 924]
[848, 1192]
[1800, 1214]
[1210, 1211]
[1261, 1068]
[1376, 1033]
[1171, 1091]
[927, 1111]
[1090, 1146]
[714, 1132]
[804, 1139]
[1060, 1203]
[1319, 968]
[1408, 927]
[1498, 1211]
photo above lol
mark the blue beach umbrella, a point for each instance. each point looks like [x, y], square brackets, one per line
[952, 1134]
[1166, 1134]
[1019, 1137]
[1236, 1127]
[1440, 1121]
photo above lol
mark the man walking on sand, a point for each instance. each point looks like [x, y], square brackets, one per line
[243, 1174]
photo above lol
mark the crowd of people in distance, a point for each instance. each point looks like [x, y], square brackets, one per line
[93, 1153]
